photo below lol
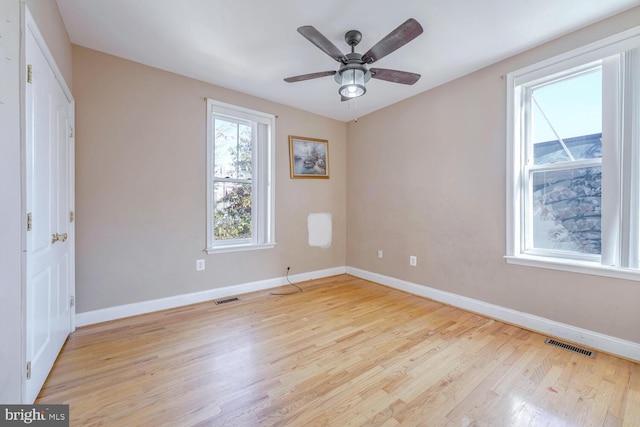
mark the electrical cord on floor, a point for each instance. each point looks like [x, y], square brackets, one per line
[299, 289]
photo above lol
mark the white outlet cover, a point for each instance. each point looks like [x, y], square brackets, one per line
[413, 261]
[200, 265]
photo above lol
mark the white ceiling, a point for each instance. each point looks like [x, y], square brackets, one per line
[251, 45]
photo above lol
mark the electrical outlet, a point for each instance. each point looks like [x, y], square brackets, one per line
[199, 265]
[380, 253]
[413, 261]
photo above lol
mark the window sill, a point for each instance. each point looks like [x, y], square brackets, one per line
[584, 267]
[239, 248]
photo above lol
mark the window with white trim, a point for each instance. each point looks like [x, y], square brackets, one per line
[239, 178]
[573, 163]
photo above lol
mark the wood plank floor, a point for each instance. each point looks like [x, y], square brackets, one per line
[344, 352]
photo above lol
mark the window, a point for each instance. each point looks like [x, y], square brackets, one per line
[239, 178]
[573, 164]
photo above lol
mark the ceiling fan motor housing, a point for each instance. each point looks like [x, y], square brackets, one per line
[354, 61]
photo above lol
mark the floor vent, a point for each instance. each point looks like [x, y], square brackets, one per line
[224, 301]
[570, 347]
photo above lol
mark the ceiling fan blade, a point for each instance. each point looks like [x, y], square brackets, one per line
[309, 76]
[323, 43]
[394, 76]
[407, 31]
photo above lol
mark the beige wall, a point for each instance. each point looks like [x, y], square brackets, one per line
[140, 187]
[429, 181]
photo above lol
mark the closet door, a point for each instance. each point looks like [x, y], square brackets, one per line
[49, 236]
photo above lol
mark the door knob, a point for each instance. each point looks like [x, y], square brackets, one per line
[59, 237]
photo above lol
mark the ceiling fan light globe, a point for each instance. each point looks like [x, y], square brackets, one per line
[352, 91]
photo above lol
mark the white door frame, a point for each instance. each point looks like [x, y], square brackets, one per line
[28, 24]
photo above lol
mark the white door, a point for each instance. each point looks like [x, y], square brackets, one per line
[49, 236]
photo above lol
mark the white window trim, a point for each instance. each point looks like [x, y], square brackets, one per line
[264, 230]
[624, 41]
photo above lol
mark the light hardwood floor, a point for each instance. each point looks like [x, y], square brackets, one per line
[344, 352]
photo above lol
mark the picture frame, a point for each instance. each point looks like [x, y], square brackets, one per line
[308, 157]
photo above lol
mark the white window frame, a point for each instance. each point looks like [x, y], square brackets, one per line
[528, 167]
[262, 192]
[620, 159]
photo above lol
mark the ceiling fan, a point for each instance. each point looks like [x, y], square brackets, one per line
[353, 72]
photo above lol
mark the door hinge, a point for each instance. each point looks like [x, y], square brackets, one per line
[71, 216]
[29, 221]
[28, 370]
[72, 301]
[29, 74]
[70, 132]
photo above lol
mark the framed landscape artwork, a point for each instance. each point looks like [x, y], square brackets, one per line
[308, 157]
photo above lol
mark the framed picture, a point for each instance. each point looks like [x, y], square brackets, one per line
[308, 157]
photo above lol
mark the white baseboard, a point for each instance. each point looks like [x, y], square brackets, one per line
[627, 349]
[127, 310]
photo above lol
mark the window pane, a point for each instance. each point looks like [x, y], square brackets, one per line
[232, 211]
[567, 210]
[233, 143]
[580, 147]
[566, 118]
